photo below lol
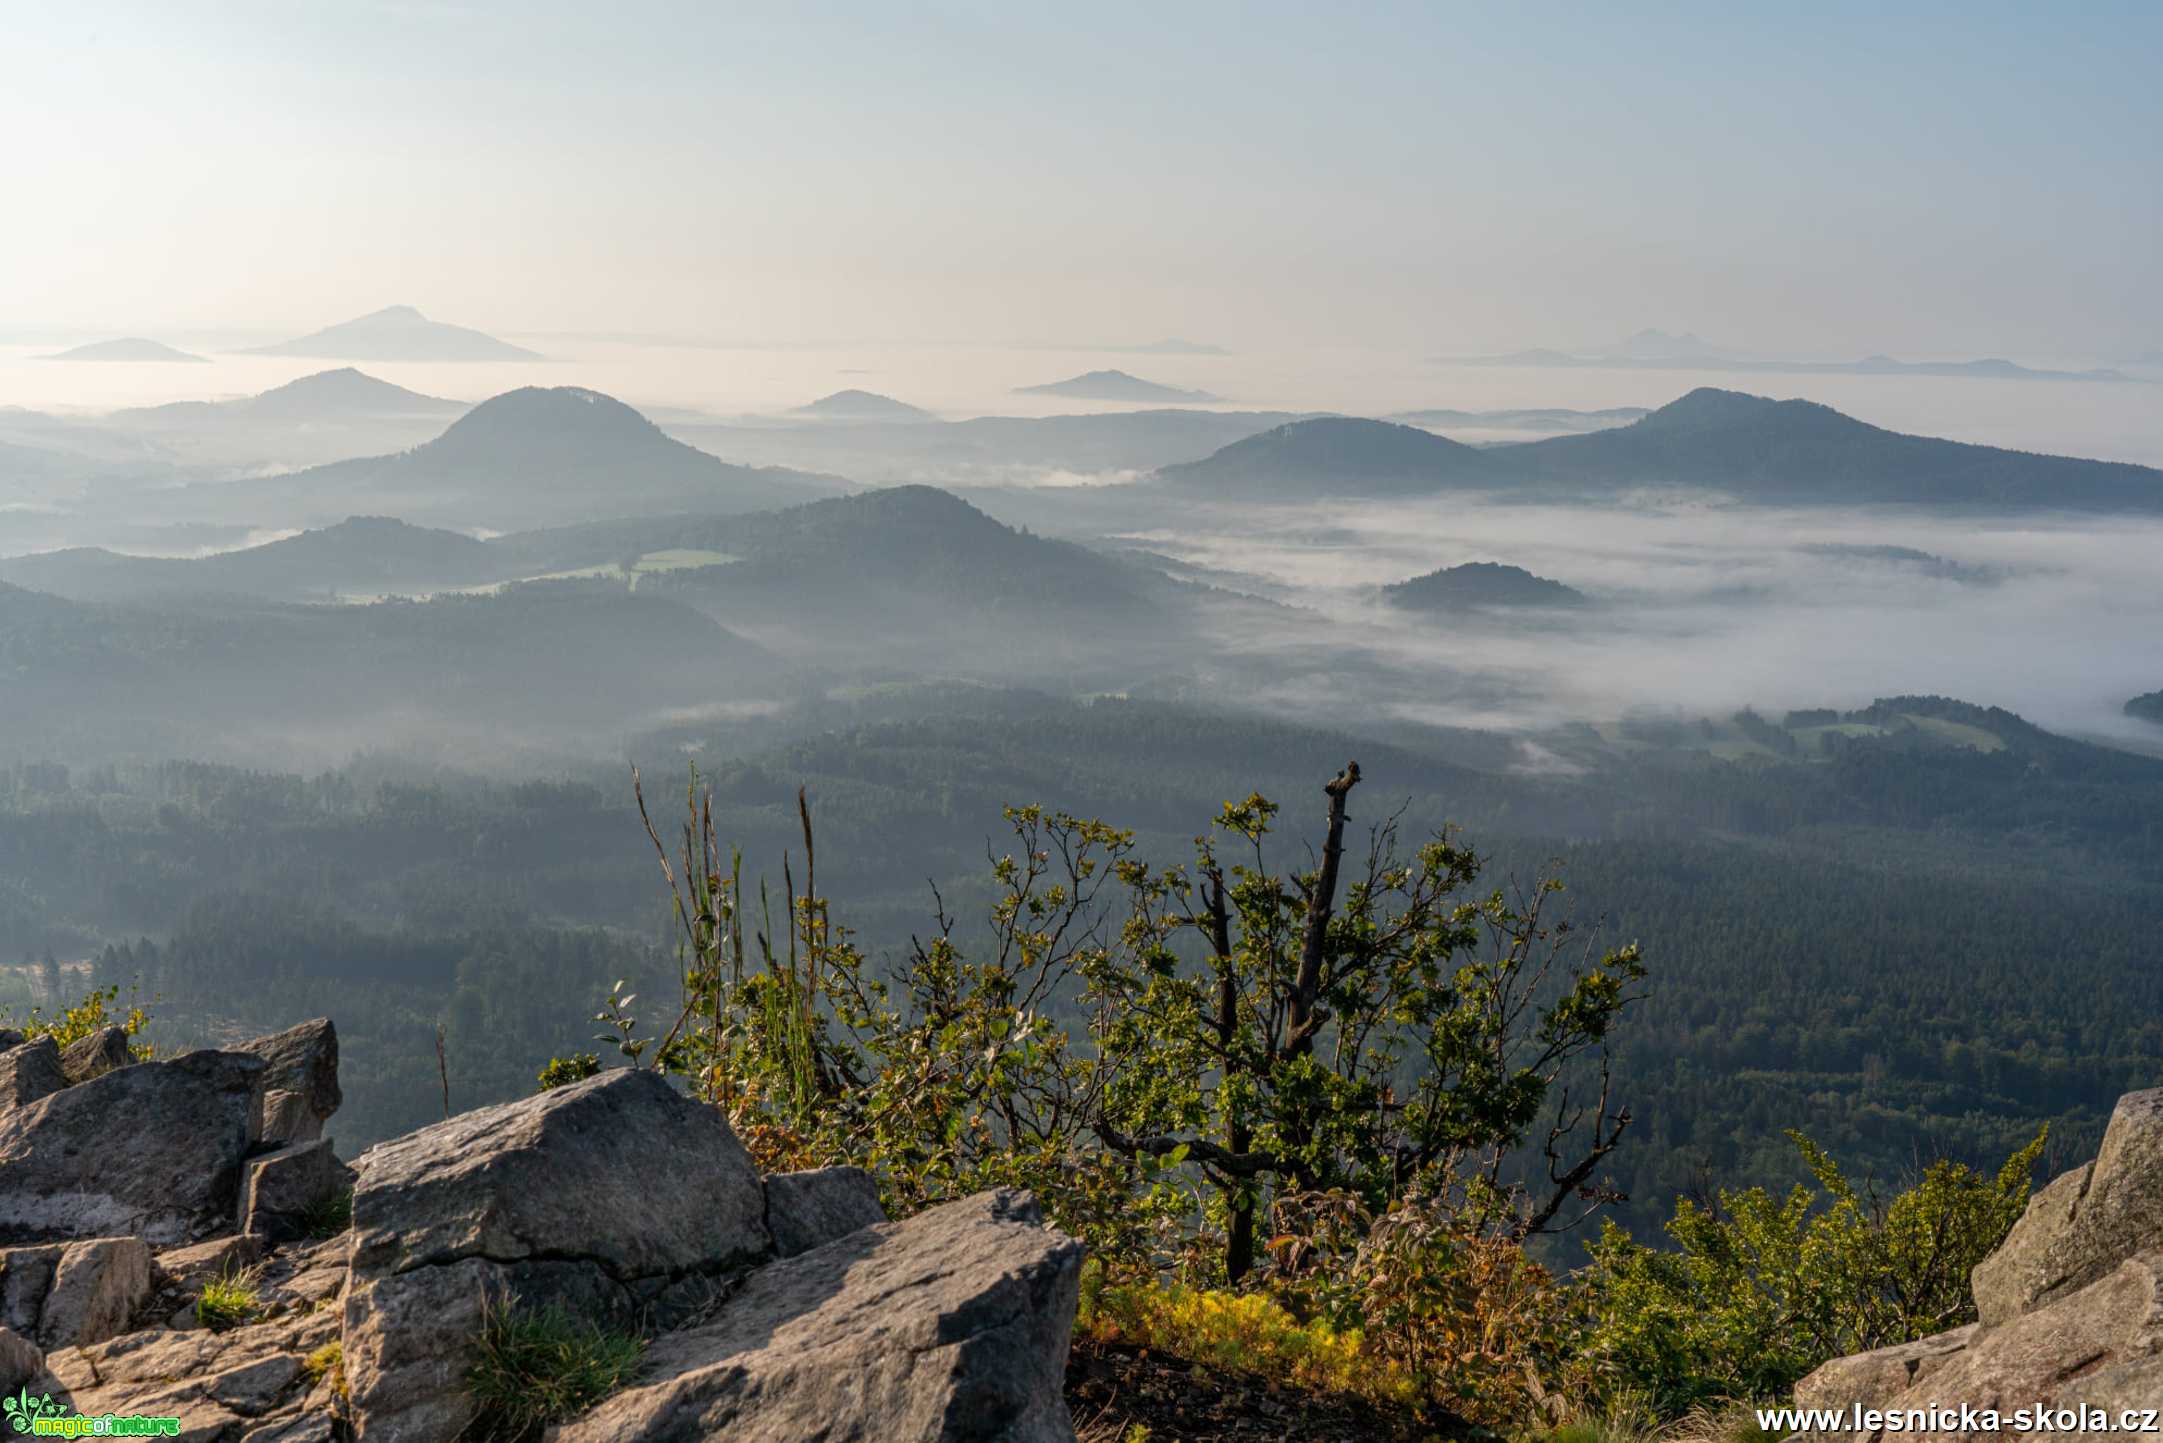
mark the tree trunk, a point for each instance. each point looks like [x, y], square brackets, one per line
[1301, 1018]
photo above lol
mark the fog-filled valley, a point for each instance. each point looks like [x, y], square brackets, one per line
[325, 697]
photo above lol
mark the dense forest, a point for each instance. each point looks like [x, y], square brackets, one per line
[1871, 928]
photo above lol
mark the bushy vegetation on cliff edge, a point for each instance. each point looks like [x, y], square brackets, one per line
[1309, 1126]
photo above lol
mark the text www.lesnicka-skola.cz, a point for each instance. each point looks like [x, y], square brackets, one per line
[2039, 1418]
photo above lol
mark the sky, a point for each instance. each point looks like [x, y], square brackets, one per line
[1832, 179]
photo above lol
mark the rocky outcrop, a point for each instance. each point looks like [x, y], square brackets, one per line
[274, 1377]
[282, 1192]
[951, 1325]
[300, 1080]
[615, 1198]
[2087, 1222]
[779, 1308]
[30, 1071]
[807, 1209]
[66, 1294]
[96, 1054]
[152, 1151]
[2070, 1306]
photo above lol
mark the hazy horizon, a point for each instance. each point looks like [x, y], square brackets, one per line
[1432, 180]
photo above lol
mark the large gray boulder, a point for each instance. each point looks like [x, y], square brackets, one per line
[153, 1151]
[617, 1198]
[805, 1210]
[62, 1295]
[950, 1327]
[279, 1191]
[30, 1071]
[2099, 1347]
[2087, 1222]
[96, 1054]
[300, 1080]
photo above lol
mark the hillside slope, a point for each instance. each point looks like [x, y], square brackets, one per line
[530, 457]
[1333, 456]
[1797, 452]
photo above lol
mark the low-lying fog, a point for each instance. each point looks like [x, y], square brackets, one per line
[1697, 609]
[2109, 421]
[1704, 610]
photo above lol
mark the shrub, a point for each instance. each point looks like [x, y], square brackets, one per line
[1442, 1294]
[533, 1367]
[1760, 1290]
[1243, 1333]
[97, 1010]
[562, 1071]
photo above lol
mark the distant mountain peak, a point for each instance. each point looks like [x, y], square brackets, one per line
[547, 416]
[128, 348]
[1478, 584]
[399, 333]
[1712, 406]
[344, 390]
[1112, 385]
[1338, 455]
[856, 405]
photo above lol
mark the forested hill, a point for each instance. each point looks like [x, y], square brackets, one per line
[529, 670]
[1724, 443]
[1800, 452]
[1478, 584]
[911, 539]
[1337, 456]
[361, 555]
[529, 457]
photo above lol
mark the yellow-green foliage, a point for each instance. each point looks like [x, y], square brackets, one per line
[327, 1361]
[1759, 1290]
[1243, 1333]
[94, 1013]
[1442, 1292]
[230, 1300]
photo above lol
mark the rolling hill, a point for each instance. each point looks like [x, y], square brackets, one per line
[398, 333]
[2148, 707]
[1799, 452]
[545, 665]
[987, 449]
[1477, 585]
[132, 348]
[1112, 386]
[1338, 456]
[531, 457]
[894, 579]
[364, 556]
[861, 406]
[1555, 419]
[327, 396]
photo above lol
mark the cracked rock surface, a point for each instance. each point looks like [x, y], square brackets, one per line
[775, 1308]
[951, 1325]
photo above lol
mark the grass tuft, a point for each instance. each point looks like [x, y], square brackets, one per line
[327, 1217]
[230, 1300]
[327, 1361]
[535, 1367]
